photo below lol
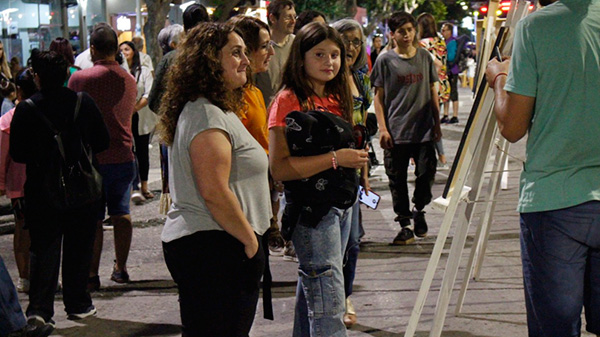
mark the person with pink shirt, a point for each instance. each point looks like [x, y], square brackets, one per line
[12, 181]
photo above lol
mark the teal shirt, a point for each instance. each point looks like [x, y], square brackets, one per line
[71, 71]
[556, 59]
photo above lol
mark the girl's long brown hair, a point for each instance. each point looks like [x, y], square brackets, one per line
[294, 75]
[196, 72]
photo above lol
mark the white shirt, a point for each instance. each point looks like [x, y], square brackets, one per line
[84, 60]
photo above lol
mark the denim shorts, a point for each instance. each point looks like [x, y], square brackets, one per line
[116, 179]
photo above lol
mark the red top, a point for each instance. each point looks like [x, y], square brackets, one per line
[114, 90]
[286, 101]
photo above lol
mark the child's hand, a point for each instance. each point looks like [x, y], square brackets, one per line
[437, 132]
[352, 158]
[385, 140]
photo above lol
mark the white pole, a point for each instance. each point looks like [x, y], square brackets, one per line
[138, 18]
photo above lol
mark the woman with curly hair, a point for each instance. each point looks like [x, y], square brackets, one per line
[218, 180]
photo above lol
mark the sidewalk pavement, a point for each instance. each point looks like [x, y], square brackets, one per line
[387, 280]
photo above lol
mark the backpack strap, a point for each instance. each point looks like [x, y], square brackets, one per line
[49, 124]
[77, 106]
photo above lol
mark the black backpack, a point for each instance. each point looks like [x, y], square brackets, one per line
[70, 183]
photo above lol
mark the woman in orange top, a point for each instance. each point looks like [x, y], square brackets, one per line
[257, 36]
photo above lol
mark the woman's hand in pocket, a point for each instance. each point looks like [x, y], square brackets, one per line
[252, 248]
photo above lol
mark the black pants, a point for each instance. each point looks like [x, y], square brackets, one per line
[218, 285]
[396, 165]
[140, 149]
[453, 86]
[75, 231]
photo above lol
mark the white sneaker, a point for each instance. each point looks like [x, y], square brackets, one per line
[442, 166]
[137, 197]
[90, 311]
[23, 285]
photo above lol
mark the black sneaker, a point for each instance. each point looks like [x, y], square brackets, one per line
[38, 327]
[405, 236]
[403, 220]
[420, 223]
[444, 120]
[453, 120]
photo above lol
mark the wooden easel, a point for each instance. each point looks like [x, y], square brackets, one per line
[467, 177]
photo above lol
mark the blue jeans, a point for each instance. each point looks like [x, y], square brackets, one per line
[320, 300]
[560, 251]
[352, 249]
[11, 315]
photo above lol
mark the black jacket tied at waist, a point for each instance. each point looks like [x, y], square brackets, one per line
[309, 200]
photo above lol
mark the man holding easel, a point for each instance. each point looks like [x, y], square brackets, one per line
[554, 96]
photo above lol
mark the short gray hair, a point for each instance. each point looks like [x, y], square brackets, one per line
[345, 25]
[168, 35]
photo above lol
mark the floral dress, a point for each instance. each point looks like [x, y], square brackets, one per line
[437, 48]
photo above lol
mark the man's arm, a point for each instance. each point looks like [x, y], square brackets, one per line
[385, 139]
[435, 100]
[513, 111]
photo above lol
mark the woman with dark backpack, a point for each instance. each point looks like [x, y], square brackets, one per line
[55, 132]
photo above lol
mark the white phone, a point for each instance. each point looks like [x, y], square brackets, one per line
[371, 200]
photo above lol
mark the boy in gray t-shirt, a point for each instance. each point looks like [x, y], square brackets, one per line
[407, 109]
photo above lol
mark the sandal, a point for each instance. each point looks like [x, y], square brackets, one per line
[147, 194]
[119, 276]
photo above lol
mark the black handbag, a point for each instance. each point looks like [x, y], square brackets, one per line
[70, 184]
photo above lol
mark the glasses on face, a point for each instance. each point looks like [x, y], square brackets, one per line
[356, 43]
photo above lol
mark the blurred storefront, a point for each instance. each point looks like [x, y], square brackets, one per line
[29, 24]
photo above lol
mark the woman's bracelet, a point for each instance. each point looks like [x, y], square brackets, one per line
[334, 161]
[495, 77]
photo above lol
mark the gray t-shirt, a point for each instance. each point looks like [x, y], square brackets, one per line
[407, 103]
[248, 177]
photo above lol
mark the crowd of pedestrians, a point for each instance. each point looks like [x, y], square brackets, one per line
[253, 116]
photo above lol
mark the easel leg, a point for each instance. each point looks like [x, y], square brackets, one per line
[458, 244]
[432, 266]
